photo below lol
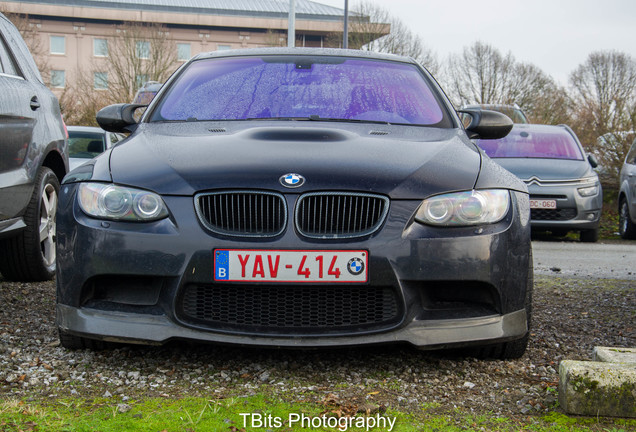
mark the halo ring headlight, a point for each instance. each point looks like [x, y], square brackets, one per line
[476, 207]
[113, 202]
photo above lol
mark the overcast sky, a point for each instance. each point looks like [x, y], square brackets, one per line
[555, 35]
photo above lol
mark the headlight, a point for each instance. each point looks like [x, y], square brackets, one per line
[475, 207]
[108, 201]
[588, 191]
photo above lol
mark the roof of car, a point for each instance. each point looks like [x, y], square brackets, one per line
[85, 129]
[512, 106]
[545, 129]
[323, 52]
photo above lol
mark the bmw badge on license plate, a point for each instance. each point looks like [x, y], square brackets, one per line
[257, 265]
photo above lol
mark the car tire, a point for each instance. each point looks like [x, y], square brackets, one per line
[589, 236]
[626, 228]
[72, 342]
[30, 256]
[516, 348]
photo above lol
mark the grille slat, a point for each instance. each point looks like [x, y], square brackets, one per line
[553, 214]
[340, 214]
[242, 213]
[287, 309]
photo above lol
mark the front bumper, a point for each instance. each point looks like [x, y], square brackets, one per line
[149, 329]
[454, 286]
[573, 211]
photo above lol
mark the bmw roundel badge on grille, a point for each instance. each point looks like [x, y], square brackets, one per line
[292, 180]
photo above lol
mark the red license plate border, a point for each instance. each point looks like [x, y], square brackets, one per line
[365, 252]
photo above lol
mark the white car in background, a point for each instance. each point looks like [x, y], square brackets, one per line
[86, 142]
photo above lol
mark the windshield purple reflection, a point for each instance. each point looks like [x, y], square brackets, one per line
[255, 87]
[533, 143]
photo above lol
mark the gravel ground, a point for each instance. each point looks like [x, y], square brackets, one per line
[571, 316]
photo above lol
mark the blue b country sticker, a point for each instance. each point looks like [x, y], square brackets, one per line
[222, 265]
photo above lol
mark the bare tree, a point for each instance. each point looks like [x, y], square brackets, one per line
[275, 38]
[604, 91]
[482, 75]
[541, 98]
[551, 105]
[369, 24]
[136, 53]
[31, 36]
[479, 75]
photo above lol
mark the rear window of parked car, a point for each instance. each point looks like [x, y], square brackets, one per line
[522, 143]
[85, 145]
[288, 87]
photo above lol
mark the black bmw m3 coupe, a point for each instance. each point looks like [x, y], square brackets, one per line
[296, 198]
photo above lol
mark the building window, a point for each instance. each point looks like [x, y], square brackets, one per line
[223, 47]
[183, 51]
[100, 47]
[58, 45]
[100, 80]
[58, 78]
[140, 80]
[142, 49]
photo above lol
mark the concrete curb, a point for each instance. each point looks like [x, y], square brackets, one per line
[605, 387]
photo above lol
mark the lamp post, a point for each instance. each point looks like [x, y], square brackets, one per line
[291, 31]
[345, 34]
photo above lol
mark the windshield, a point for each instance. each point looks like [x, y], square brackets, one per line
[515, 114]
[85, 145]
[283, 87]
[552, 143]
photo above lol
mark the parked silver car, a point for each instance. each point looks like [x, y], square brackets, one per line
[515, 113]
[627, 196]
[33, 161]
[565, 192]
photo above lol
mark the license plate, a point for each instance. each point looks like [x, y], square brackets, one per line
[543, 204]
[257, 265]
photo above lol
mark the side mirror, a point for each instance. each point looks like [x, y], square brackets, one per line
[485, 124]
[592, 160]
[118, 117]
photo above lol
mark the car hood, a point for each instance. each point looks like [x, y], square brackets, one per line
[400, 161]
[546, 169]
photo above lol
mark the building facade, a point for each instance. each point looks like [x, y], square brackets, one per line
[76, 33]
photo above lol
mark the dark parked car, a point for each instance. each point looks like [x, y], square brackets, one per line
[296, 198]
[565, 192]
[147, 92]
[86, 142]
[627, 196]
[33, 161]
[515, 113]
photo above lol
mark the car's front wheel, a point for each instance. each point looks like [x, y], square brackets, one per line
[626, 227]
[30, 256]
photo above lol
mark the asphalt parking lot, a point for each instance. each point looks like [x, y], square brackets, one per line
[606, 260]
